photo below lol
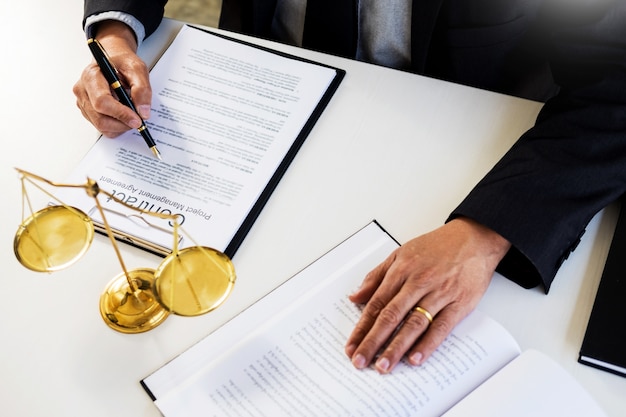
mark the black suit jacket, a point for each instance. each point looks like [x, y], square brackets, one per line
[571, 164]
[483, 43]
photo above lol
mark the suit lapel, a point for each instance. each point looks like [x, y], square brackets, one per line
[423, 19]
[331, 26]
[252, 17]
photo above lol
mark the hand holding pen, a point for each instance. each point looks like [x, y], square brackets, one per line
[113, 79]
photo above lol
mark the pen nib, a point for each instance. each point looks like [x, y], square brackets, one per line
[156, 152]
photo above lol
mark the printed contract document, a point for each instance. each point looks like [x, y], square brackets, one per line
[284, 356]
[228, 117]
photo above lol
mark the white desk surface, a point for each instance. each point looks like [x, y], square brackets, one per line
[391, 146]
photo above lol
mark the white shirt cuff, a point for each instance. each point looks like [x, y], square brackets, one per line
[130, 20]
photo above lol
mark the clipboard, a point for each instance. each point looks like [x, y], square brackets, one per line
[201, 67]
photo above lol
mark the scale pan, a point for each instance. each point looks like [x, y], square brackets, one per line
[194, 281]
[53, 238]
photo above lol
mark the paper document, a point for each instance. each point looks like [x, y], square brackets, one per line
[227, 117]
[284, 355]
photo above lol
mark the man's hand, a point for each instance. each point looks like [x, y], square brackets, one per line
[93, 95]
[445, 272]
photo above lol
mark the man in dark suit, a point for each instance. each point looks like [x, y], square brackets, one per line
[527, 214]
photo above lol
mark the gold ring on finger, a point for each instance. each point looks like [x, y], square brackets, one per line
[425, 312]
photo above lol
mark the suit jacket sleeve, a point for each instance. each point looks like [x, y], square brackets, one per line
[148, 12]
[572, 163]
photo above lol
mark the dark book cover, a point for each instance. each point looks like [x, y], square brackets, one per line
[604, 344]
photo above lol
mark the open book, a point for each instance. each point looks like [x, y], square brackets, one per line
[284, 355]
[228, 118]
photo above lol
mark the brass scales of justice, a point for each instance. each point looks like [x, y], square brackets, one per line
[188, 282]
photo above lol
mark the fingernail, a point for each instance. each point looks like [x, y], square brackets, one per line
[350, 350]
[382, 364]
[416, 358]
[144, 111]
[134, 123]
[359, 361]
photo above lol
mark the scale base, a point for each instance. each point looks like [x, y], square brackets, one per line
[129, 312]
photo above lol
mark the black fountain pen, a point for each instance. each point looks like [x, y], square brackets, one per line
[112, 77]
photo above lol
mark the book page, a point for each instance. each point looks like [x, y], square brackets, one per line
[224, 116]
[531, 385]
[293, 363]
[367, 247]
